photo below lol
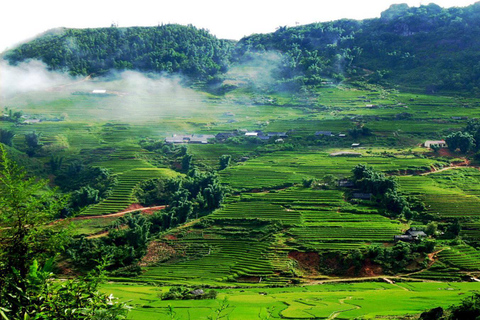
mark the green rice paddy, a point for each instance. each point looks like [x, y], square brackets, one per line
[342, 300]
[246, 243]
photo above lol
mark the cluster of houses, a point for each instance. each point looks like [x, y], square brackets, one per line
[329, 134]
[222, 136]
[190, 138]
[25, 120]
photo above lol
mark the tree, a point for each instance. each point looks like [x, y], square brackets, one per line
[186, 162]
[6, 137]
[468, 310]
[224, 161]
[33, 142]
[432, 228]
[460, 140]
[27, 206]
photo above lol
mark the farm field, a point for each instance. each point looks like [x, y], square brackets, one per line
[282, 168]
[346, 301]
[272, 230]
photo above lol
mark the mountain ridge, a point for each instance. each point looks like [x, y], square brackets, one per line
[428, 48]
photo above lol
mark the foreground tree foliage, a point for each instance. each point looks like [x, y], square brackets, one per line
[28, 246]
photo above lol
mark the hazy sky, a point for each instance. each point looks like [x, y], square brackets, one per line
[23, 19]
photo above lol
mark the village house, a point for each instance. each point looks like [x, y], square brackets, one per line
[324, 133]
[222, 136]
[355, 145]
[361, 196]
[410, 235]
[32, 121]
[439, 143]
[194, 138]
[345, 183]
[276, 134]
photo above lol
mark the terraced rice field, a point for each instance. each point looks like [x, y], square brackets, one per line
[446, 193]
[237, 243]
[222, 260]
[122, 194]
[461, 256]
[281, 168]
[258, 210]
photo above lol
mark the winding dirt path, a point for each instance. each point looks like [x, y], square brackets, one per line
[131, 208]
[465, 164]
[147, 210]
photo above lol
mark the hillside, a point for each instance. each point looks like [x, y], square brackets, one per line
[427, 48]
[167, 48]
[317, 172]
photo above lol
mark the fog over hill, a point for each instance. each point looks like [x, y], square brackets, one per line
[428, 48]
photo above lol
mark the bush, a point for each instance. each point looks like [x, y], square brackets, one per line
[184, 293]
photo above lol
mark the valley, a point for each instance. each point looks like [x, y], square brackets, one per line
[326, 171]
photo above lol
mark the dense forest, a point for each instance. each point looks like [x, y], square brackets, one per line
[427, 46]
[166, 48]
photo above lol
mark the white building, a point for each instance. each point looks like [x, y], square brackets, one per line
[430, 143]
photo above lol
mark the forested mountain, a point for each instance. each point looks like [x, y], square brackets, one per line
[426, 47]
[167, 48]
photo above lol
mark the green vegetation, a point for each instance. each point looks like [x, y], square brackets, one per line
[399, 48]
[176, 49]
[27, 255]
[293, 162]
[348, 300]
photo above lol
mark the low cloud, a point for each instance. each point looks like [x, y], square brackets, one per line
[28, 76]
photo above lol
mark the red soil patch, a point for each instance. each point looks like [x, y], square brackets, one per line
[157, 252]
[445, 152]
[306, 260]
[370, 269]
[133, 206]
[170, 237]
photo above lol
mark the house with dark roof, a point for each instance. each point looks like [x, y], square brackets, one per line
[361, 195]
[410, 235]
[324, 133]
[189, 138]
[276, 134]
[224, 135]
[416, 233]
[345, 183]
